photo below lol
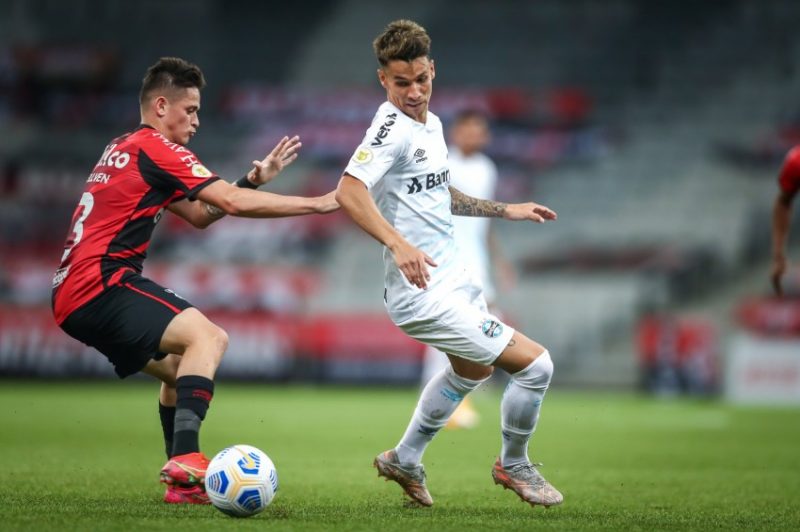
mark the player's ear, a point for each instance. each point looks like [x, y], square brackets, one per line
[382, 77]
[160, 104]
[433, 70]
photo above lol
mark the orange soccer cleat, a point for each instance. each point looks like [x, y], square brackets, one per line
[177, 494]
[185, 469]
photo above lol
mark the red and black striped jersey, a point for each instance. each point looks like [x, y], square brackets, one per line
[789, 178]
[136, 178]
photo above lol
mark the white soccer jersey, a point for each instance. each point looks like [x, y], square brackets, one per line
[474, 175]
[404, 164]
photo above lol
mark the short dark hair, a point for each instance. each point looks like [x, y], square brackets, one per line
[168, 74]
[403, 40]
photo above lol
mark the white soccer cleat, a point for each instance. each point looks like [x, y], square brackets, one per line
[411, 479]
[526, 481]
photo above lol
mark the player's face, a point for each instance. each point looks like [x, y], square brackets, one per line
[408, 85]
[470, 135]
[180, 118]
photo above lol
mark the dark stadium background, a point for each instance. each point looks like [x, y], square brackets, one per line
[655, 129]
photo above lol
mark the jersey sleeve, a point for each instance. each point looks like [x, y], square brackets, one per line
[383, 144]
[789, 178]
[174, 168]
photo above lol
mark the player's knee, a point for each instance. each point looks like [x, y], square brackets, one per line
[538, 374]
[219, 339]
[470, 370]
[464, 385]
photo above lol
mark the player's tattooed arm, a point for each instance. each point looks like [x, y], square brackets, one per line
[463, 205]
[213, 211]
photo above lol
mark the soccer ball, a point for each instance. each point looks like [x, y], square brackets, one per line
[241, 480]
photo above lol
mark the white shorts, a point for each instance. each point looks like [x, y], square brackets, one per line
[458, 323]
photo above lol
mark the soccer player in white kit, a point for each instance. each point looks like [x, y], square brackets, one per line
[475, 174]
[396, 188]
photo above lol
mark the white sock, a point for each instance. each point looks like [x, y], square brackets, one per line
[520, 406]
[438, 400]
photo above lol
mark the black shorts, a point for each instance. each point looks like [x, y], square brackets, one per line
[126, 322]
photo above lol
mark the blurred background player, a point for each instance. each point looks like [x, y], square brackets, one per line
[475, 174]
[397, 188]
[101, 298]
[788, 183]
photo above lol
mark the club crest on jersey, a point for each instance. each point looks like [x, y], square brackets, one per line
[198, 170]
[362, 156]
[384, 130]
[491, 328]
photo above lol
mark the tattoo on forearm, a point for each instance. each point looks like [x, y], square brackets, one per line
[463, 205]
[511, 343]
[213, 211]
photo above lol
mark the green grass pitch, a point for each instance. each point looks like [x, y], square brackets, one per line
[85, 456]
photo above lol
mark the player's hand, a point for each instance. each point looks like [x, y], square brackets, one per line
[413, 263]
[327, 203]
[529, 211]
[284, 154]
[778, 269]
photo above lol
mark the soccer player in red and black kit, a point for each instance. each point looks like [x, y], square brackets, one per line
[789, 184]
[99, 294]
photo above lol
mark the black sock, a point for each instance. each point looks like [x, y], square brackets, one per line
[194, 395]
[167, 415]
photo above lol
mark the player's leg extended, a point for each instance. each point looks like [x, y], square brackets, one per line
[439, 399]
[433, 362]
[531, 369]
[166, 370]
[201, 345]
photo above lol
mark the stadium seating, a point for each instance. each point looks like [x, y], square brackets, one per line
[611, 112]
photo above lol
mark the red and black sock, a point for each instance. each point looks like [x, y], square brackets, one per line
[167, 415]
[194, 395]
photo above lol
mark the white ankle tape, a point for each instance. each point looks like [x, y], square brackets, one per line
[537, 375]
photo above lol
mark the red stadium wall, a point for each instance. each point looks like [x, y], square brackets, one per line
[263, 345]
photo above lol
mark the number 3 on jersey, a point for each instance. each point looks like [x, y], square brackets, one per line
[87, 203]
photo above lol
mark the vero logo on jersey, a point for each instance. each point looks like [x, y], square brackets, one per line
[384, 130]
[428, 181]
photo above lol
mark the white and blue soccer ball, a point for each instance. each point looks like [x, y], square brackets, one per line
[241, 480]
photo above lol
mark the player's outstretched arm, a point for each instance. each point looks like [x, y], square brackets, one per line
[203, 213]
[248, 203]
[464, 205]
[356, 201]
[781, 218]
[282, 155]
